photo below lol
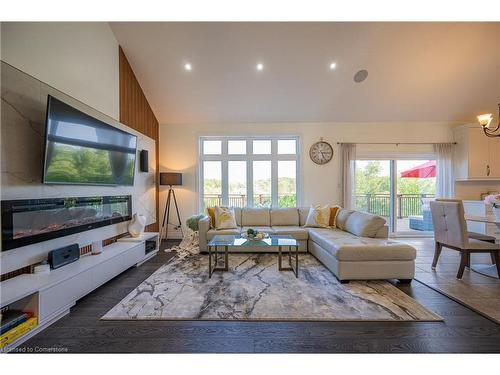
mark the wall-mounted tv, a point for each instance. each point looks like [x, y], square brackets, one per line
[80, 149]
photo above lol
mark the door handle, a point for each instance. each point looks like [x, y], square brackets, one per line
[488, 170]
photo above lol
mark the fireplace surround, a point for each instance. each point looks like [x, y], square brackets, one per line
[30, 221]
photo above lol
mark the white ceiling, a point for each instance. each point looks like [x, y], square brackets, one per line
[417, 71]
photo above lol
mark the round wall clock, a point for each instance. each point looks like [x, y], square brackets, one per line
[321, 152]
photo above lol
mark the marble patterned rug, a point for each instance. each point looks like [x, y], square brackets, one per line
[254, 289]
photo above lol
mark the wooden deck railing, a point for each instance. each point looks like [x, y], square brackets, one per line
[378, 204]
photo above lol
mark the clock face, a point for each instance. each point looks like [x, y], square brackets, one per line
[321, 152]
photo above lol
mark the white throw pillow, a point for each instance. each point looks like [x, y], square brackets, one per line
[318, 217]
[225, 218]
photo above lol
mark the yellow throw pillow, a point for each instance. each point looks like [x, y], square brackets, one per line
[318, 217]
[211, 214]
[333, 215]
[225, 218]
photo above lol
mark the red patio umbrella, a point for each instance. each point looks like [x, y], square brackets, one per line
[425, 170]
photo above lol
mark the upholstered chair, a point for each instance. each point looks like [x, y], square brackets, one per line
[474, 235]
[450, 230]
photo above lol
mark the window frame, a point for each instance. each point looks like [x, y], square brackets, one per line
[249, 157]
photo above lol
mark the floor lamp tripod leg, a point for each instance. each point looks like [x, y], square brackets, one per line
[177, 210]
[166, 215]
[163, 224]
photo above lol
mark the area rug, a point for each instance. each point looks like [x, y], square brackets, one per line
[254, 289]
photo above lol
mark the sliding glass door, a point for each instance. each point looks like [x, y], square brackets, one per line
[399, 190]
[373, 187]
[416, 187]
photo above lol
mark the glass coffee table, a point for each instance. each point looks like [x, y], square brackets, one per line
[227, 242]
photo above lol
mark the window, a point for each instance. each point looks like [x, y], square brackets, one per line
[236, 147]
[262, 181]
[287, 183]
[212, 184]
[212, 147]
[249, 171]
[237, 183]
[286, 146]
[262, 147]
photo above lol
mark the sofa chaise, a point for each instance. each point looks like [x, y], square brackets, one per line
[357, 248]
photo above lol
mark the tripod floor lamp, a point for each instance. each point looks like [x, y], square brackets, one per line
[170, 179]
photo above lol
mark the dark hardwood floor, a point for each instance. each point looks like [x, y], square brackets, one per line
[81, 331]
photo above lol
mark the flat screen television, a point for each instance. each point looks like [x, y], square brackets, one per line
[82, 150]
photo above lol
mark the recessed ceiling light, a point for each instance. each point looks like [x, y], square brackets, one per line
[333, 65]
[188, 67]
[259, 66]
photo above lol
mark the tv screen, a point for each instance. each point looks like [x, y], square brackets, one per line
[80, 149]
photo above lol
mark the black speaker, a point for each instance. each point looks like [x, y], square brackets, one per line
[144, 163]
[64, 255]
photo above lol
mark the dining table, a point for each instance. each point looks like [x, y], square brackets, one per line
[485, 269]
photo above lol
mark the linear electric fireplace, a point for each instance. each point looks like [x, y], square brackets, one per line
[29, 221]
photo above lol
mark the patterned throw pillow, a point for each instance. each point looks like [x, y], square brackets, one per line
[334, 210]
[225, 218]
[318, 217]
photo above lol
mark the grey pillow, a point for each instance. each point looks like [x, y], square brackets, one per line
[342, 217]
[363, 224]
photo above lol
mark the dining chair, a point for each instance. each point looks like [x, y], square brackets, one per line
[474, 235]
[450, 230]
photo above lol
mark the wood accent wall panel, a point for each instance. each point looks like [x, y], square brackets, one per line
[136, 112]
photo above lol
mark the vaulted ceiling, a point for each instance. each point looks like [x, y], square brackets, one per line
[416, 71]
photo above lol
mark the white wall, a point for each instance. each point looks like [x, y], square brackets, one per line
[320, 184]
[77, 58]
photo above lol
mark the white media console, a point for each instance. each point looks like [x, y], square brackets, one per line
[50, 296]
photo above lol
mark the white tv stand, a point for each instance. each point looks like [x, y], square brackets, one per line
[50, 296]
[146, 236]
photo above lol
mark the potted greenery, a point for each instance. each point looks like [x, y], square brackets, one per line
[254, 235]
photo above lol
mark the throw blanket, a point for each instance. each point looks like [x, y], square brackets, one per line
[188, 246]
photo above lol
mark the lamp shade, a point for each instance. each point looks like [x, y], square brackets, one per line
[170, 178]
[485, 120]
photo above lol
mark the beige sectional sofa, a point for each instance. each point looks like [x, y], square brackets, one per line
[357, 249]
